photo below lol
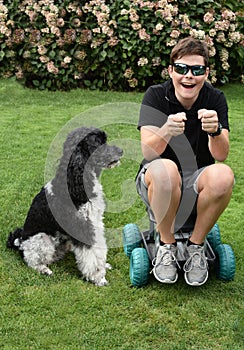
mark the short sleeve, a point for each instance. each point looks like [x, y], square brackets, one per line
[150, 112]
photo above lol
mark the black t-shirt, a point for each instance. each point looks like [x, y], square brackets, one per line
[190, 150]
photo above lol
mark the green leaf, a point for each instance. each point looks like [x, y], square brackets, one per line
[87, 83]
[49, 83]
[36, 82]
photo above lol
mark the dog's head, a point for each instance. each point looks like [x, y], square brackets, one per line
[88, 147]
[85, 154]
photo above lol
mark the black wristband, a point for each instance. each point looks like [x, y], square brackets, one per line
[218, 132]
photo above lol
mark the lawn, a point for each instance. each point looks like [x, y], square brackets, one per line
[64, 312]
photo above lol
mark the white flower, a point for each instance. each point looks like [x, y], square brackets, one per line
[159, 26]
[67, 59]
[142, 61]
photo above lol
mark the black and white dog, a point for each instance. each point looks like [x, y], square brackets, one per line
[67, 214]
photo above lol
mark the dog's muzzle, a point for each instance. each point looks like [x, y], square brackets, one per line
[116, 153]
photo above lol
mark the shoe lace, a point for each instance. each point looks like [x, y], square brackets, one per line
[165, 258]
[196, 259]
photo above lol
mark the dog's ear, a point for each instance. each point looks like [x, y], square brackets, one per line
[103, 136]
[96, 137]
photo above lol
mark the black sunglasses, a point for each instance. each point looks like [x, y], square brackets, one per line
[183, 69]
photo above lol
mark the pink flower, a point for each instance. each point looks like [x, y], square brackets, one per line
[128, 73]
[212, 32]
[42, 50]
[69, 36]
[162, 3]
[221, 37]
[26, 54]
[32, 15]
[171, 42]
[156, 61]
[185, 21]
[18, 36]
[235, 37]
[147, 4]
[222, 25]
[175, 34]
[208, 17]
[225, 65]
[113, 41]
[19, 74]
[198, 34]
[136, 26]
[165, 74]
[44, 59]
[212, 51]
[51, 68]
[35, 36]
[60, 22]
[51, 19]
[56, 31]
[76, 22]
[134, 16]
[209, 41]
[80, 55]
[143, 35]
[79, 12]
[224, 55]
[133, 82]
[85, 36]
[229, 15]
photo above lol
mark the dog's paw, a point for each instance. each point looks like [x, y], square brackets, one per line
[103, 282]
[108, 266]
[46, 271]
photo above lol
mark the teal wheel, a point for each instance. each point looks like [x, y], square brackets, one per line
[139, 267]
[131, 238]
[226, 262]
[214, 238]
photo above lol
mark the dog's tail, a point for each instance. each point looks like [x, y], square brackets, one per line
[14, 239]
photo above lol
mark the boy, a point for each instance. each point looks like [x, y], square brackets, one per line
[184, 129]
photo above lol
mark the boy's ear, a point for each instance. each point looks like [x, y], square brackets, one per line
[170, 70]
[207, 73]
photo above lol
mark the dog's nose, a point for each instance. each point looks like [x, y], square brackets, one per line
[119, 150]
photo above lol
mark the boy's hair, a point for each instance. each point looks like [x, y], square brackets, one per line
[190, 46]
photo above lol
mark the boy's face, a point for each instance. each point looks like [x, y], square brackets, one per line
[188, 86]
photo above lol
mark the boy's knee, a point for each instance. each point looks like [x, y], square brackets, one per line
[163, 178]
[220, 179]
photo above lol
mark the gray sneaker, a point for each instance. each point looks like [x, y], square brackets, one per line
[196, 266]
[165, 264]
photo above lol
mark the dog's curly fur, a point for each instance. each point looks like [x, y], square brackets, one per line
[67, 214]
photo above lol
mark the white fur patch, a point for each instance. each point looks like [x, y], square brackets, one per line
[49, 188]
[94, 210]
[39, 251]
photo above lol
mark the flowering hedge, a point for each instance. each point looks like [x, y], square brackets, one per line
[114, 44]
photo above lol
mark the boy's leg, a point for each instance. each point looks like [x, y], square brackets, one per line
[214, 186]
[163, 183]
[164, 192]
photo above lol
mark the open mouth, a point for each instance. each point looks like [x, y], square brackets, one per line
[114, 164]
[188, 86]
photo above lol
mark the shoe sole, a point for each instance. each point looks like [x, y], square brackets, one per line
[166, 280]
[195, 284]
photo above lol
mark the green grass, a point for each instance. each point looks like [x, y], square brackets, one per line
[64, 312]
